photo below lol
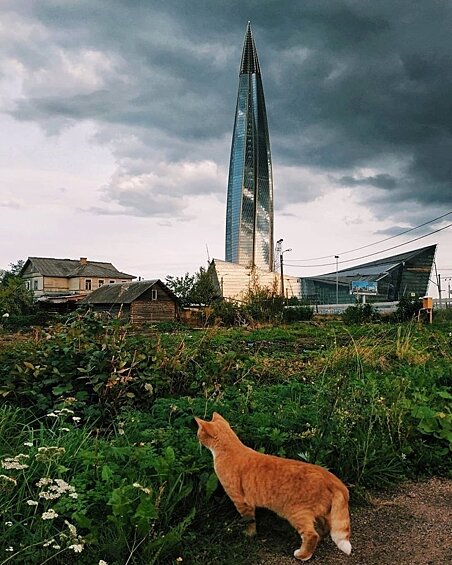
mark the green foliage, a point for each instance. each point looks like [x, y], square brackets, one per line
[298, 313]
[263, 303]
[194, 289]
[68, 492]
[360, 314]
[181, 286]
[407, 309]
[371, 403]
[204, 291]
[228, 312]
[15, 299]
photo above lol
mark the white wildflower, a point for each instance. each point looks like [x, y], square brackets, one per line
[142, 488]
[51, 452]
[8, 480]
[49, 515]
[48, 542]
[65, 430]
[73, 495]
[52, 415]
[12, 463]
[44, 481]
[76, 547]
[8, 523]
[32, 503]
[46, 495]
[76, 419]
[56, 546]
[102, 562]
[10, 548]
[72, 529]
[28, 443]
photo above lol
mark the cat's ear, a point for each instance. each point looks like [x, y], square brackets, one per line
[216, 416]
[205, 426]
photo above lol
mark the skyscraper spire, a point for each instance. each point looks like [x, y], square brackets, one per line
[250, 62]
[249, 214]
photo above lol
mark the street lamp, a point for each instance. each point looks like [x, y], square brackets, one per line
[282, 269]
[337, 278]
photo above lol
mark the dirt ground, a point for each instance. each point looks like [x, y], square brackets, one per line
[412, 526]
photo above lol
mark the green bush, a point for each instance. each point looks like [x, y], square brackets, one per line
[407, 309]
[298, 313]
[360, 314]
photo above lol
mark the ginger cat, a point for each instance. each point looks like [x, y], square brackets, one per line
[306, 495]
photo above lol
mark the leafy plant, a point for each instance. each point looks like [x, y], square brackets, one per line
[360, 314]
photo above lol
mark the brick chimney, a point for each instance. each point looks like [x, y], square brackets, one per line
[83, 261]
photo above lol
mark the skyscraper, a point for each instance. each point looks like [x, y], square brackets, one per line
[249, 214]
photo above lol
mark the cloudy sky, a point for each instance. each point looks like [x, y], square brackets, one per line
[116, 121]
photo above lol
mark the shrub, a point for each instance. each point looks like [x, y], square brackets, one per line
[407, 309]
[360, 314]
[298, 313]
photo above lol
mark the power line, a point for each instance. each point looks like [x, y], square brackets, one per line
[371, 254]
[376, 242]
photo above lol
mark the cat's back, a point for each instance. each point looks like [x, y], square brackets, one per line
[274, 481]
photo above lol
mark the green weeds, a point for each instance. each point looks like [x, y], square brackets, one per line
[98, 450]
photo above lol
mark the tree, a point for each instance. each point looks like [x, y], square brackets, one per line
[204, 290]
[15, 298]
[181, 286]
[194, 289]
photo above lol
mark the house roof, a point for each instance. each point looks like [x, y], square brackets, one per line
[68, 268]
[122, 293]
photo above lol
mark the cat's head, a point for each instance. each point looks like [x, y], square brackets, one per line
[209, 432]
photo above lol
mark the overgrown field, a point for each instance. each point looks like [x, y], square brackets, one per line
[99, 456]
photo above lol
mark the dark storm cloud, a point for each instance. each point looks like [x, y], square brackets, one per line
[359, 91]
[379, 181]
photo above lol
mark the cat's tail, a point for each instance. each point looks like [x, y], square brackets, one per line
[340, 521]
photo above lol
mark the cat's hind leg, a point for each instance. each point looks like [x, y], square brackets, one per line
[304, 524]
[248, 514]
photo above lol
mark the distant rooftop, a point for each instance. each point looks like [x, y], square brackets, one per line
[68, 268]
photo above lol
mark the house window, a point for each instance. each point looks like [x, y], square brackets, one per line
[101, 282]
[153, 294]
[27, 285]
[35, 285]
[112, 282]
[87, 284]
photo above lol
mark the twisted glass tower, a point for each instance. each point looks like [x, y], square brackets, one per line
[249, 214]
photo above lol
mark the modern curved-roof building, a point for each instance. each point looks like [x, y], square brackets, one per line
[249, 213]
[403, 275]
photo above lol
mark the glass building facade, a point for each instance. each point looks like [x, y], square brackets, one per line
[249, 214]
[404, 275]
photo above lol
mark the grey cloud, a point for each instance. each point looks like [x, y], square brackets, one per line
[349, 86]
[379, 181]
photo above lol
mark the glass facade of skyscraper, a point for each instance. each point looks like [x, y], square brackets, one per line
[249, 214]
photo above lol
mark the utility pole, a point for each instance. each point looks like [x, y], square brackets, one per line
[281, 263]
[337, 278]
[282, 273]
[438, 283]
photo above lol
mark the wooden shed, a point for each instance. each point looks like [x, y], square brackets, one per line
[138, 302]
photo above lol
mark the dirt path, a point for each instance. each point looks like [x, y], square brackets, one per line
[410, 527]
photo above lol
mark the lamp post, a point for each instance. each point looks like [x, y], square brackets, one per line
[278, 248]
[337, 278]
[282, 269]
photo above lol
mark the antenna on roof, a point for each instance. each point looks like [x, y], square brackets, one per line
[208, 256]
